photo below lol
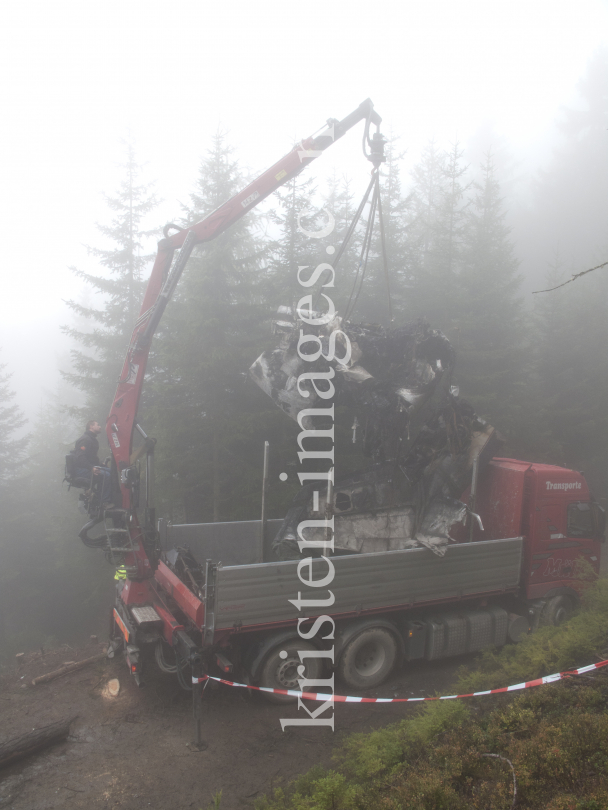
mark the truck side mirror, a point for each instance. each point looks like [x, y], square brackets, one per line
[599, 521]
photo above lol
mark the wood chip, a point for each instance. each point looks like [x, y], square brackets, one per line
[112, 687]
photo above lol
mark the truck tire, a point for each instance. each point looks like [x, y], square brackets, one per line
[558, 610]
[281, 671]
[368, 658]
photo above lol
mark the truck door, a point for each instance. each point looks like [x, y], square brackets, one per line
[566, 546]
[582, 525]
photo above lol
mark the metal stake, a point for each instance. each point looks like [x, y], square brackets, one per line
[473, 494]
[329, 511]
[197, 709]
[264, 490]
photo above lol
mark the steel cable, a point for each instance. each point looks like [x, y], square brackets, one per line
[365, 248]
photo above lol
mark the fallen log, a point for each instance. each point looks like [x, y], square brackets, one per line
[19, 747]
[49, 676]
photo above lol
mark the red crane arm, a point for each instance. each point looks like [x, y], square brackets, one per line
[165, 274]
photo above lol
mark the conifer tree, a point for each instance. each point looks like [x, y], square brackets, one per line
[398, 217]
[572, 372]
[96, 365]
[12, 448]
[571, 193]
[199, 399]
[570, 216]
[552, 345]
[440, 202]
[427, 184]
[12, 453]
[488, 318]
[52, 588]
[292, 249]
[452, 212]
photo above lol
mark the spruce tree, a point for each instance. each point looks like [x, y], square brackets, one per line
[12, 501]
[487, 313]
[398, 218]
[97, 364]
[201, 405]
[570, 216]
[572, 372]
[52, 588]
[551, 345]
[571, 193]
[12, 447]
[440, 204]
[292, 249]
[427, 179]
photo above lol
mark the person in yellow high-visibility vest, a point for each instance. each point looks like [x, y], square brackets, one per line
[121, 573]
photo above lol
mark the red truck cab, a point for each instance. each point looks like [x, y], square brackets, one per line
[552, 508]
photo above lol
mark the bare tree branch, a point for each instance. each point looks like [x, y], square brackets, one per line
[575, 276]
[504, 759]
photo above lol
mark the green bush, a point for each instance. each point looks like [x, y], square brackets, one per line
[556, 736]
[548, 650]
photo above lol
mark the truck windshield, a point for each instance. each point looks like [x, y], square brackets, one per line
[580, 520]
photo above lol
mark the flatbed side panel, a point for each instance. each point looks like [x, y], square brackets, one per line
[260, 594]
[236, 543]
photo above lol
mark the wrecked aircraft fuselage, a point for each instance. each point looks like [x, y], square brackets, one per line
[421, 438]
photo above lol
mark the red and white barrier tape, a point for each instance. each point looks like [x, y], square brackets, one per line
[558, 676]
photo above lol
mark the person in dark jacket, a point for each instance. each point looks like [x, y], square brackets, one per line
[86, 450]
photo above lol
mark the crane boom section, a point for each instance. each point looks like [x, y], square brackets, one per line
[167, 268]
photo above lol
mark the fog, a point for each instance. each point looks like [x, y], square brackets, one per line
[80, 78]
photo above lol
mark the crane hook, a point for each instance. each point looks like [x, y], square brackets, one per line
[376, 144]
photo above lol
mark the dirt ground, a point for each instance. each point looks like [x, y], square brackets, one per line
[136, 750]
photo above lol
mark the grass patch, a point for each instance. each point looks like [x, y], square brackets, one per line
[556, 736]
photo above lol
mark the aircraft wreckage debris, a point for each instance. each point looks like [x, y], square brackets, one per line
[420, 437]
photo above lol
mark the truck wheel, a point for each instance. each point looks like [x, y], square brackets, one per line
[368, 658]
[558, 610]
[280, 671]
